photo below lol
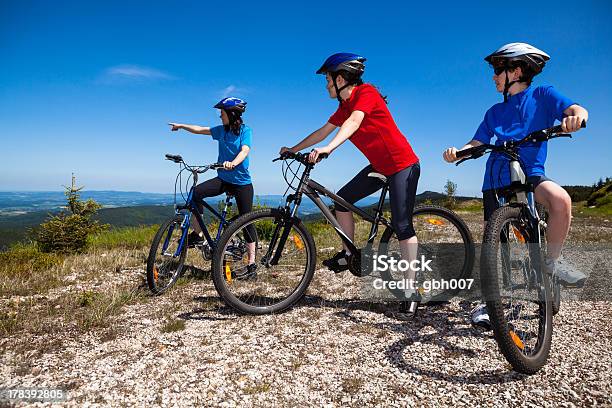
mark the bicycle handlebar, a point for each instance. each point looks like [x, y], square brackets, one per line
[534, 137]
[198, 169]
[300, 157]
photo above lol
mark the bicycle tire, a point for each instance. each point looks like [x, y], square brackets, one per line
[220, 277]
[504, 332]
[466, 236]
[152, 269]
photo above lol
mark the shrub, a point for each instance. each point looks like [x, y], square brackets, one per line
[450, 189]
[67, 232]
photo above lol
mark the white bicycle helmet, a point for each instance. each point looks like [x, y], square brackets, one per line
[533, 57]
[509, 56]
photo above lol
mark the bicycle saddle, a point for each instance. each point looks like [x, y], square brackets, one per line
[379, 176]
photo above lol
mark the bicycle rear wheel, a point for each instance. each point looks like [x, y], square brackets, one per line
[278, 283]
[516, 290]
[166, 261]
[443, 238]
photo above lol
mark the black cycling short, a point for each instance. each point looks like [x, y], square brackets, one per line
[242, 193]
[489, 198]
[402, 193]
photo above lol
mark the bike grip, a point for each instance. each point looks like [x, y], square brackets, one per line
[174, 157]
[323, 156]
[583, 124]
[464, 153]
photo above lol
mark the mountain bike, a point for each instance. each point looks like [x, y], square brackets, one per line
[286, 252]
[521, 294]
[168, 252]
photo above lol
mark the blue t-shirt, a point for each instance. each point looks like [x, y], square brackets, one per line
[533, 109]
[229, 147]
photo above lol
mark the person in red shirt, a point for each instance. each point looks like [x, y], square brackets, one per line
[365, 120]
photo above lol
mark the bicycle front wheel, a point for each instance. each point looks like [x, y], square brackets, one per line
[284, 254]
[166, 260]
[517, 290]
[442, 238]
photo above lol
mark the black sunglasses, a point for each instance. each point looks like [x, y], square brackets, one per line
[499, 70]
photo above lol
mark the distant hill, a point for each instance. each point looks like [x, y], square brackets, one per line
[602, 198]
[14, 228]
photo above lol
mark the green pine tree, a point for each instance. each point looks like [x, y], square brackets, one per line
[67, 231]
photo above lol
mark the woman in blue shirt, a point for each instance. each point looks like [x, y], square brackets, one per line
[525, 109]
[234, 139]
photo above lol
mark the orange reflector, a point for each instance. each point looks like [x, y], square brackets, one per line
[434, 221]
[228, 273]
[517, 340]
[518, 235]
[297, 241]
[155, 273]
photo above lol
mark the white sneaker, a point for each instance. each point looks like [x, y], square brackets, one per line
[568, 275]
[480, 317]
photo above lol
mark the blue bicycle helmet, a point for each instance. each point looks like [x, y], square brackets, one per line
[343, 61]
[231, 104]
[351, 64]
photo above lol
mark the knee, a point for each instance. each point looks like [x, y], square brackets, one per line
[561, 203]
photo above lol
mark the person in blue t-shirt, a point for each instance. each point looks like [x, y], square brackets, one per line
[234, 139]
[525, 109]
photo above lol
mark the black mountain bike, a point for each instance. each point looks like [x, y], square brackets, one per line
[168, 251]
[286, 253]
[520, 293]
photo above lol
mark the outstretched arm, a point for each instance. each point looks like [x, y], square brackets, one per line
[347, 129]
[200, 130]
[313, 138]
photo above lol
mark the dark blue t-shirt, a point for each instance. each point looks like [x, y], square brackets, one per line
[533, 109]
[230, 145]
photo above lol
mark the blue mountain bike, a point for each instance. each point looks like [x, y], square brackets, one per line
[168, 252]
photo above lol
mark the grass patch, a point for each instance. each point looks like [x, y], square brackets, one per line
[80, 312]
[351, 385]
[582, 210]
[126, 237]
[24, 270]
[173, 325]
[257, 388]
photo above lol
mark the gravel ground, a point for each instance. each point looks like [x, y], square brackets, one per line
[328, 352]
[332, 349]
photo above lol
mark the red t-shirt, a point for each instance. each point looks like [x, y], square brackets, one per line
[378, 137]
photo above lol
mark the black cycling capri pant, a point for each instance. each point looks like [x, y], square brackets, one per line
[242, 193]
[489, 198]
[402, 193]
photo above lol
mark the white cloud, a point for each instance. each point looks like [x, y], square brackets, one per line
[228, 91]
[233, 90]
[136, 72]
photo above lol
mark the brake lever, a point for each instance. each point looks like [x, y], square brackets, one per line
[462, 160]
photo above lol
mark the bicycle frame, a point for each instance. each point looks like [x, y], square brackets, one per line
[312, 190]
[193, 210]
[523, 191]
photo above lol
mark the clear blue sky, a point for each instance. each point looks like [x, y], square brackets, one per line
[88, 86]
